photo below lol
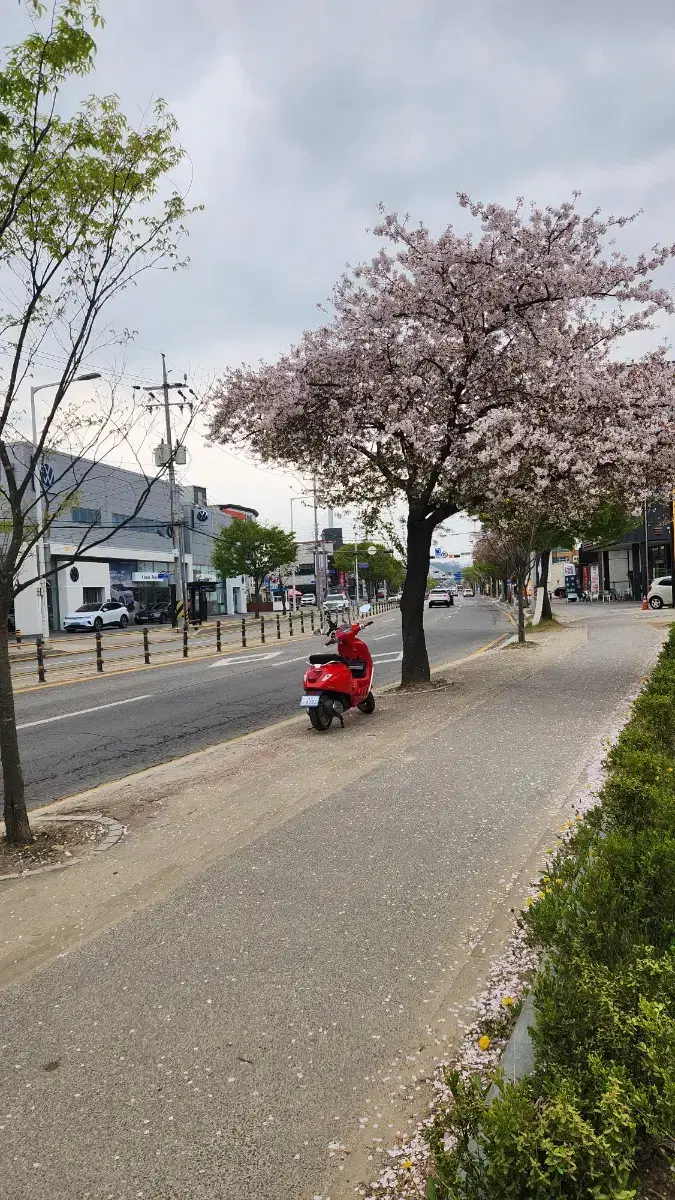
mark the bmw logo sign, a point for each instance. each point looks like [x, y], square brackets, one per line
[202, 515]
[47, 476]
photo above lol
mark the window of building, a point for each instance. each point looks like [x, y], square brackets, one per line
[138, 522]
[92, 595]
[86, 516]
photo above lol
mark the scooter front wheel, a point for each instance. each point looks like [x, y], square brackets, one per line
[321, 717]
[367, 705]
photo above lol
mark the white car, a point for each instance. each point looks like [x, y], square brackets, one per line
[336, 602]
[97, 616]
[440, 598]
[661, 592]
[308, 600]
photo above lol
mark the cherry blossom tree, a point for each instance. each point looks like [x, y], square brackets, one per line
[451, 371]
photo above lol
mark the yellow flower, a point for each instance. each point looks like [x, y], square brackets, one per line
[549, 850]
[529, 902]
[558, 880]
[507, 1001]
[484, 1042]
[407, 1163]
[548, 891]
[540, 895]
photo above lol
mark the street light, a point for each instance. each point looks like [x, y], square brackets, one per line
[40, 545]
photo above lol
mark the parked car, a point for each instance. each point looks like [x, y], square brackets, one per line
[149, 616]
[336, 602]
[560, 593]
[467, 592]
[440, 598]
[96, 616]
[308, 600]
[661, 592]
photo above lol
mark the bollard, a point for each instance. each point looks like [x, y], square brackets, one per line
[146, 647]
[17, 635]
[311, 619]
[278, 628]
[99, 652]
[243, 631]
[185, 640]
[262, 630]
[302, 621]
[40, 658]
[219, 644]
[290, 624]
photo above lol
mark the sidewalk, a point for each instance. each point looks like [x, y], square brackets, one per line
[275, 955]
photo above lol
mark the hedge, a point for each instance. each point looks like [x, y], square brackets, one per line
[602, 1096]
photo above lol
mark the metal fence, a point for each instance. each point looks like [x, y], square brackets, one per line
[108, 652]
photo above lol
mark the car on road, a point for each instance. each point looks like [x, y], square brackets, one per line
[467, 592]
[97, 616]
[440, 598]
[308, 600]
[661, 592]
[154, 615]
[336, 602]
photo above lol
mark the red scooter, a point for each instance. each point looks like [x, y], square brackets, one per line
[339, 681]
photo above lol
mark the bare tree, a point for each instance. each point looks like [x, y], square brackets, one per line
[85, 209]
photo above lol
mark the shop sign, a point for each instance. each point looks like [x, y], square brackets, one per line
[149, 576]
[570, 569]
[595, 580]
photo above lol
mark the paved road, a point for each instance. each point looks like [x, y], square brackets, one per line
[83, 734]
[212, 1046]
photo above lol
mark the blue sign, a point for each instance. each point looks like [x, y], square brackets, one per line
[363, 566]
[47, 475]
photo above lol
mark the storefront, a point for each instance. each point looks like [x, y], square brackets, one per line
[139, 584]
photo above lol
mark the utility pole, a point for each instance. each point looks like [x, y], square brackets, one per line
[176, 526]
[166, 456]
[318, 572]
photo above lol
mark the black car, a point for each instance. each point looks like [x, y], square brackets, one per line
[560, 593]
[152, 616]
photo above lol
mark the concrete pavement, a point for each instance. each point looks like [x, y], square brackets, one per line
[269, 965]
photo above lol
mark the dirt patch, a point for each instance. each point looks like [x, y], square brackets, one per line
[552, 626]
[656, 1175]
[412, 689]
[521, 645]
[54, 844]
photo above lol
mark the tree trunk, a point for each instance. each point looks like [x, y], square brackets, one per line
[415, 665]
[17, 827]
[521, 608]
[546, 613]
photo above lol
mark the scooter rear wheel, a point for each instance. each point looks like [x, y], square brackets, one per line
[321, 718]
[367, 705]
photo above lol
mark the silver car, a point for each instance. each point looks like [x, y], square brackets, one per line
[336, 602]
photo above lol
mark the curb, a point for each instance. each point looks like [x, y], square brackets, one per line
[115, 833]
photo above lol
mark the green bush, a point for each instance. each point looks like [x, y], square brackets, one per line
[603, 1090]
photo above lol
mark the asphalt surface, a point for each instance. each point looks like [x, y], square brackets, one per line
[214, 1045]
[79, 735]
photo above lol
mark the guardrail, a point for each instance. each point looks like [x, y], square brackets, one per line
[132, 649]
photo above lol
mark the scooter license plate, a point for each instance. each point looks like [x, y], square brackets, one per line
[309, 701]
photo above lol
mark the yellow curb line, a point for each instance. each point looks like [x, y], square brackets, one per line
[239, 737]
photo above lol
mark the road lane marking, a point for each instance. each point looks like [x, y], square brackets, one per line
[81, 712]
[246, 658]
[284, 661]
[386, 635]
[388, 657]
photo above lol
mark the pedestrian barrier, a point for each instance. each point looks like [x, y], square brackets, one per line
[108, 651]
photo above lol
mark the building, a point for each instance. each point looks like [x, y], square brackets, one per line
[116, 526]
[627, 566]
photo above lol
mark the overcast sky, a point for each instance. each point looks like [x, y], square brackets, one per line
[299, 116]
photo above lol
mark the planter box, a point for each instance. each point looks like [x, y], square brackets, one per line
[263, 606]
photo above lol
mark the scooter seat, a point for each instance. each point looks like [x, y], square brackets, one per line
[318, 660]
